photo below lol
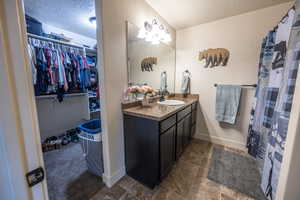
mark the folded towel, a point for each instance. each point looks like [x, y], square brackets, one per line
[185, 84]
[227, 103]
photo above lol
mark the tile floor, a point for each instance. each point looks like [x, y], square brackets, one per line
[187, 181]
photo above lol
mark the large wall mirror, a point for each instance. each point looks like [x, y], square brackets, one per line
[148, 63]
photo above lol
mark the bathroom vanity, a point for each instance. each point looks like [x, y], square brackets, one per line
[156, 136]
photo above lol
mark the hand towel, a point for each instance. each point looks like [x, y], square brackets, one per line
[227, 103]
[163, 82]
[185, 84]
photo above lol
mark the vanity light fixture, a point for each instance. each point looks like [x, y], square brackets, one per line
[154, 33]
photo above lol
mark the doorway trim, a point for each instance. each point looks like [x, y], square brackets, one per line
[22, 102]
[25, 116]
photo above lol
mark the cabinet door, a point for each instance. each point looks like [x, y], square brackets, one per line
[186, 130]
[167, 151]
[193, 131]
[179, 138]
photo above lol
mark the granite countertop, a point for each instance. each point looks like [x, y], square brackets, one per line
[159, 112]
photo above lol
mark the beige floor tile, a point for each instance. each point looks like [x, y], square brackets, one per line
[227, 197]
[228, 192]
[241, 196]
[206, 195]
[187, 181]
[128, 196]
[127, 183]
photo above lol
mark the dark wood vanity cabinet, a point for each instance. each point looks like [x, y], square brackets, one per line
[179, 138]
[152, 146]
[167, 151]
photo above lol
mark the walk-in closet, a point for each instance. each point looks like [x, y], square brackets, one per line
[62, 49]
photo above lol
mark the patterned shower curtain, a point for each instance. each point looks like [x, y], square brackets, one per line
[278, 68]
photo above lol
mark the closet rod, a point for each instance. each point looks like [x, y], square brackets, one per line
[53, 40]
[252, 85]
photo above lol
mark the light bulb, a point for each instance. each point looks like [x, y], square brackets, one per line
[155, 29]
[167, 38]
[142, 33]
[155, 40]
[148, 37]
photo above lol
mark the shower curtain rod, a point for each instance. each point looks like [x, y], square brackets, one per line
[252, 85]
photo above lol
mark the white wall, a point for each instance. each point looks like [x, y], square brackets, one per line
[57, 117]
[242, 36]
[113, 74]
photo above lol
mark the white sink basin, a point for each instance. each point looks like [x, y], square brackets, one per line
[171, 102]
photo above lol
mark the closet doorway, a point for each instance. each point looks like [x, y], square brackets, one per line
[62, 49]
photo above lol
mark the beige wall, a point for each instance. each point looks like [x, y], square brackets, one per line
[242, 36]
[114, 75]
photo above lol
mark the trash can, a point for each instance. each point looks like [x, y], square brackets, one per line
[91, 142]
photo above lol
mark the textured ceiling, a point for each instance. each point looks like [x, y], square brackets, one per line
[185, 13]
[71, 15]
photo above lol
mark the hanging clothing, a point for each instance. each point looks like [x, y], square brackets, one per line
[55, 67]
[32, 59]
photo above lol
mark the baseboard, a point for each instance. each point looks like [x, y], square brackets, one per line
[221, 141]
[114, 178]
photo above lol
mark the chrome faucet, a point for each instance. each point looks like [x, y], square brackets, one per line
[162, 94]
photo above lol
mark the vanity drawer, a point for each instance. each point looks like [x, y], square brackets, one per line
[181, 114]
[194, 106]
[167, 123]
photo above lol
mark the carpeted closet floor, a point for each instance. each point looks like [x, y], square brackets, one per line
[67, 175]
[200, 174]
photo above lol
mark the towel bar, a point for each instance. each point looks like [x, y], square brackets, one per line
[253, 85]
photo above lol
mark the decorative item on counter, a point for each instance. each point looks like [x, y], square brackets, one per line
[147, 64]
[134, 91]
[147, 91]
[215, 57]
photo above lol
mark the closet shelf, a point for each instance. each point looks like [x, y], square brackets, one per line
[91, 51]
[54, 96]
[94, 111]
